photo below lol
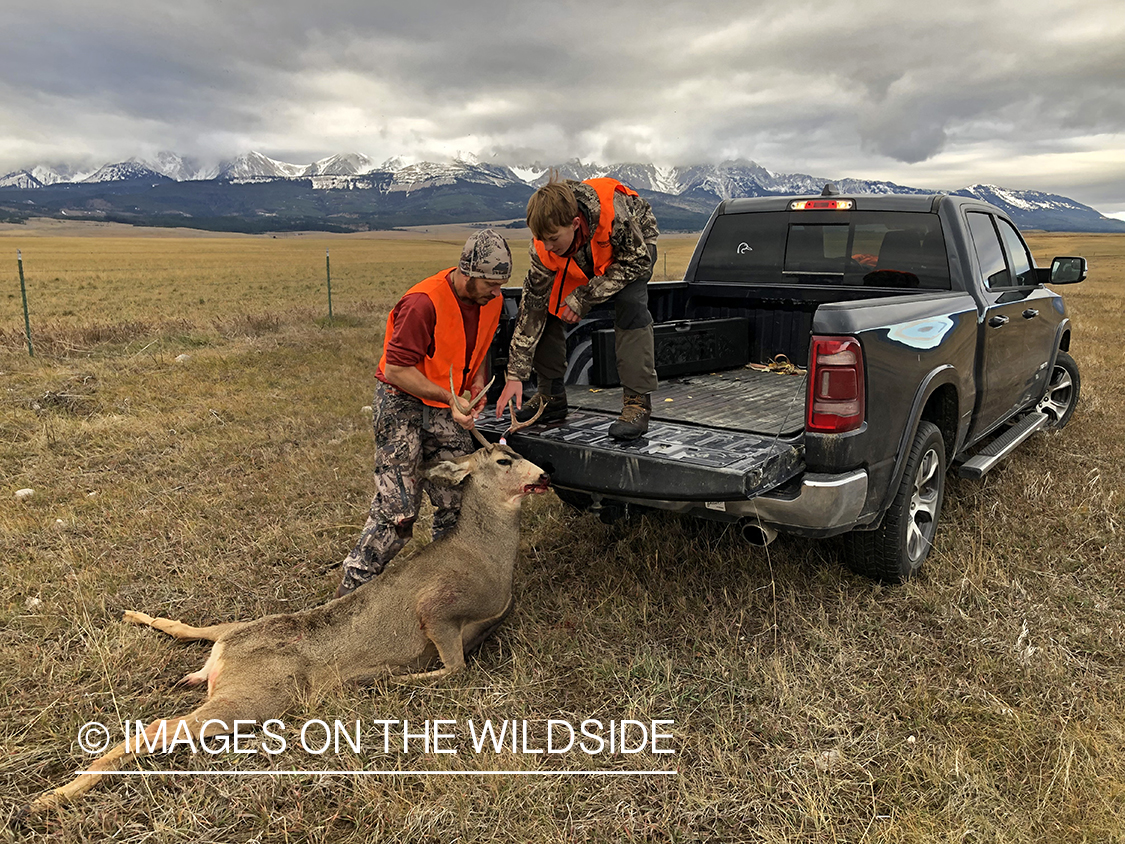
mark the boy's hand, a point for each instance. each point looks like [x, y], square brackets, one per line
[512, 390]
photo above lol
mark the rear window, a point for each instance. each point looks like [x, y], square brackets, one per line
[889, 249]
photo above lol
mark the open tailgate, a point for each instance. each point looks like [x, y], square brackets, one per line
[674, 461]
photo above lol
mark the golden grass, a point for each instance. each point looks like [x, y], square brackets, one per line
[982, 702]
[87, 291]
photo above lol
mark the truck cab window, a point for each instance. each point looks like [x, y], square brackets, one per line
[817, 250]
[879, 249]
[744, 247]
[1022, 265]
[987, 244]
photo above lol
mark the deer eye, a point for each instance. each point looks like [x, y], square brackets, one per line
[503, 461]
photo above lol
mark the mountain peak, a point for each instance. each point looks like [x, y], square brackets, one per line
[20, 179]
[125, 171]
[174, 167]
[253, 164]
[341, 164]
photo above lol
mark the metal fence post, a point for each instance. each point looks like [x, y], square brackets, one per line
[328, 273]
[23, 294]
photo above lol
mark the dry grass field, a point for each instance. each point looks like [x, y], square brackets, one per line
[983, 702]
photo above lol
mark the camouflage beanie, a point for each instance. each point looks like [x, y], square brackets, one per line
[486, 255]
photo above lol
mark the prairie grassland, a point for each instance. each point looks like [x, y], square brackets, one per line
[982, 702]
[84, 292]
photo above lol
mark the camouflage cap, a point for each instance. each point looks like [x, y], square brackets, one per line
[486, 255]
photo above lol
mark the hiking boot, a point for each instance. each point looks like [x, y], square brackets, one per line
[555, 411]
[343, 590]
[634, 417]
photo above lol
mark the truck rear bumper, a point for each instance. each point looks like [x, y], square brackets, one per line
[819, 505]
[822, 503]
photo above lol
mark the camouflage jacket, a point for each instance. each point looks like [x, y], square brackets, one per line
[634, 230]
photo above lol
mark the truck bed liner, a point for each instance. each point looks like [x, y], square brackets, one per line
[737, 399]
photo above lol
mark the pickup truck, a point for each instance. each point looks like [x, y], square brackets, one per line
[824, 363]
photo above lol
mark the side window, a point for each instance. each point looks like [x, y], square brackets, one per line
[989, 253]
[1022, 265]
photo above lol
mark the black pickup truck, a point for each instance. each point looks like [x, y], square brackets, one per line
[824, 362]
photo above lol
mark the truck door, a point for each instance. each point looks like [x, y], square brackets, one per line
[1019, 321]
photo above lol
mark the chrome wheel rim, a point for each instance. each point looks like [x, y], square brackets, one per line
[1060, 393]
[923, 506]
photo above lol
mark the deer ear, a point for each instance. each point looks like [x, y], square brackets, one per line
[450, 472]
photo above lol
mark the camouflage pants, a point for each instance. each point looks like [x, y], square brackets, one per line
[408, 433]
[634, 340]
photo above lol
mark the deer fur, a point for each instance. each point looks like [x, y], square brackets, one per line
[433, 608]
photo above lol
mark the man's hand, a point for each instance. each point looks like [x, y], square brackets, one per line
[466, 421]
[512, 390]
[567, 315]
[478, 389]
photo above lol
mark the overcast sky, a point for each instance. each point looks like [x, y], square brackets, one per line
[1027, 94]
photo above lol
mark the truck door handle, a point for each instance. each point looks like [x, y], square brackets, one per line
[1030, 313]
[998, 321]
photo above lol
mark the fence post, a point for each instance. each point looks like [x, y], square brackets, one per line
[23, 295]
[328, 273]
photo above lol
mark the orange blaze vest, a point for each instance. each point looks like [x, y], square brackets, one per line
[449, 336]
[568, 277]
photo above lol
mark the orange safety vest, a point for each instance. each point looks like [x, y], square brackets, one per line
[568, 277]
[449, 336]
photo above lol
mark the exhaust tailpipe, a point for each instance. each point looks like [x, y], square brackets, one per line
[758, 534]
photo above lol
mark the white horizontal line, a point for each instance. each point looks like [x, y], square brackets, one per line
[380, 773]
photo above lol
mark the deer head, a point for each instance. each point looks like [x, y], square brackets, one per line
[496, 468]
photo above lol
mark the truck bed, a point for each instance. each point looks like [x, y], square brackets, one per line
[723, 436]
[744, 400]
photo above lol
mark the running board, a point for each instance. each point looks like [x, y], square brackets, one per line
[985, 459]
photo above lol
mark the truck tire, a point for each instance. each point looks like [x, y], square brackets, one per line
[894, 552]
[1062, 391]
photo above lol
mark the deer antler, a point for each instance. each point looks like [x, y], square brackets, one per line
[467, 407]
[519, 426]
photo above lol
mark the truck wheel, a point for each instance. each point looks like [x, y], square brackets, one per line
[1062, 391]
[895, 551]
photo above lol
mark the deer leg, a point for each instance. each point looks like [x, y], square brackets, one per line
[475, 634]
[187, 633]
[209, 672]
[214, 717]
[446, 636]
[184, 632]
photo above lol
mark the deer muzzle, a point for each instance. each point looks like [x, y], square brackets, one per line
[541, 485]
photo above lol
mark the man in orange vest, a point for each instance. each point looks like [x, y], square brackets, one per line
[594, 241]
[439, 331]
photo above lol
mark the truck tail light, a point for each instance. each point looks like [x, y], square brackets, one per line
[836, 398]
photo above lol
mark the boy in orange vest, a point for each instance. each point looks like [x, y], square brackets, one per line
[595, 241]
[441, 325]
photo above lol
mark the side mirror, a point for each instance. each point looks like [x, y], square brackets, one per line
[1067, 270]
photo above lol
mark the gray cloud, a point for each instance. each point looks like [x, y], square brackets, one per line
[1024, 94]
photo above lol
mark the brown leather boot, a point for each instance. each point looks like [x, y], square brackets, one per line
[551, 392]
[634, 417]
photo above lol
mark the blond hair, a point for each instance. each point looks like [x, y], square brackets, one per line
[551, 207]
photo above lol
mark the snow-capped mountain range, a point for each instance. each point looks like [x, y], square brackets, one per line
[690, 189]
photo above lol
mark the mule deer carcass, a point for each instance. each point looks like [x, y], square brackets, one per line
[437, 606]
